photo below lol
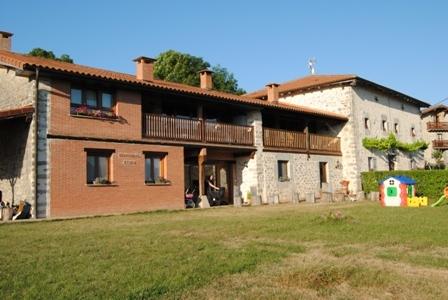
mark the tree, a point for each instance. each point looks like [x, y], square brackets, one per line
[438, 156]
[184, 68]
[390, 146]
[39, 52]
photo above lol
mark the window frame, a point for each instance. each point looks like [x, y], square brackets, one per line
[280, 176]
[396, 127]
[162, 156]
[384, 125]
[371, 163]
[99, 97]
[323, 172]
[99, 153]
[366, 123]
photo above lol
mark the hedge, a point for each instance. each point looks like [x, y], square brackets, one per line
[429, 183]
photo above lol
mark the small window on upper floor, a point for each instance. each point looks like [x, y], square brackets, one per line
[366, 123]
[413, 134]
[384, 125]
[93, 103]
[402, 106]
[94, 99]
[371, 161]
[396, 127]
[376, 99]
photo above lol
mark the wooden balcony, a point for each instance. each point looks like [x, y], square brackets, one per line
[196, 131]
[440, 144]
[285, 140]
[437, 126]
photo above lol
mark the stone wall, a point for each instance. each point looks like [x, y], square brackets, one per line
[17, 138]
[16, 91]
[379, 107]
[358, 103]
[431, 136]
[43, 155]
[304, 176]
[339, 100]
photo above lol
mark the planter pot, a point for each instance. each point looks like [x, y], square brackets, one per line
[7, 214]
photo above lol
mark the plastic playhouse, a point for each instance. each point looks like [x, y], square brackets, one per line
[400, 191]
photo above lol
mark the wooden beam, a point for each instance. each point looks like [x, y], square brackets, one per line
[202, 157]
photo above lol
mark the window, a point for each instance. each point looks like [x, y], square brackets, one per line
[413, 131]
[283, 172]
[155, 168]
[92, 98]
[396, 127]
[439, 137]
[106, 100]
[76, 96]
[323, 169]
[371, 163]
[98, 166]
[376, 99]
[366, 123]
[384, 125]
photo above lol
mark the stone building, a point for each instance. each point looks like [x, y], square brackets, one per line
[78, 140]
[372, 110]
[435, 128]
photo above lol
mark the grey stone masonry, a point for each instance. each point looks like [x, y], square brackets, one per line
[17, 90]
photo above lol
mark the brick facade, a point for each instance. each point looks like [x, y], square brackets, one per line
[72, 196]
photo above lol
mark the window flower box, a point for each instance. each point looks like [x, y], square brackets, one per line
[86, 111]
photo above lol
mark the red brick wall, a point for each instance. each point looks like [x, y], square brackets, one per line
[71, 196]
[128, 107]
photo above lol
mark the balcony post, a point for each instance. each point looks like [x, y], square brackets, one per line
[307, 139]
[200, 115]
[202, 157]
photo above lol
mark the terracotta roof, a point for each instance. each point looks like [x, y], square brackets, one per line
[303, 84]
[434, 108]
[26, 62]
[16, 112]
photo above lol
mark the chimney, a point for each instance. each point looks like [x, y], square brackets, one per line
[206, 79]
[5, 40]
[144, 68]
[272, 91]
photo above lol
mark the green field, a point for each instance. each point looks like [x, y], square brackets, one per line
[338, 251]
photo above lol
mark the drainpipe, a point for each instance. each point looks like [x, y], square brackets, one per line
[36, 136]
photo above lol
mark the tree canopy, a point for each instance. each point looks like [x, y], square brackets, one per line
[184, 68]
[39, 52]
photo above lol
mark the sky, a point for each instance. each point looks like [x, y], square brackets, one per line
[399, 44]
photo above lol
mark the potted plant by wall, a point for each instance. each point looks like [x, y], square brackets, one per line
[162, 180]
[101, 180]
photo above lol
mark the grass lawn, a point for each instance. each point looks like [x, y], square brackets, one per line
[282, 251]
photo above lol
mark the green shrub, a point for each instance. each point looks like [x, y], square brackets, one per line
[429, 183]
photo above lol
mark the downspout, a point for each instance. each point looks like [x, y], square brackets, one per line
[36, 136]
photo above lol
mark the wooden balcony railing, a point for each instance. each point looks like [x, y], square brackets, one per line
[278, 138]
[437, 126]
[195, 130]
[171, 128]
[325, 143]
[299, 141]
[222, 133]
[440, 144]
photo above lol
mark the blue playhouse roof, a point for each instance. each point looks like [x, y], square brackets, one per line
[402, 179]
